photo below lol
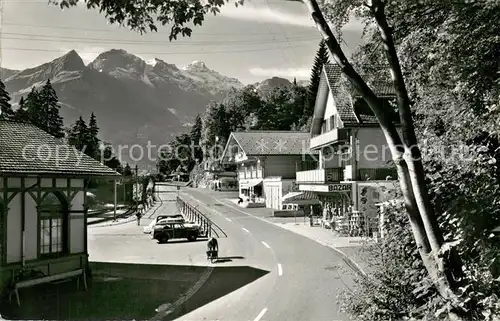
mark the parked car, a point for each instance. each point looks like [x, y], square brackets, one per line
[179, 218]
[170, 230]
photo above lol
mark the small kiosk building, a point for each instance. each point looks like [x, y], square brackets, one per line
[43, 212]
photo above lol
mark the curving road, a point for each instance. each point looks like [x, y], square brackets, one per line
[300, 278]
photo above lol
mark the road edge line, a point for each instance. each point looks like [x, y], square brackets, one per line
[355, 266]
[260, 315]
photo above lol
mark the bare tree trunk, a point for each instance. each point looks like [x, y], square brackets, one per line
[387, 125]
[452, 270]
[411, 173]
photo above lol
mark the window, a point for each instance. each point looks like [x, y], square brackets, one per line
[332, 122]
[53, 226]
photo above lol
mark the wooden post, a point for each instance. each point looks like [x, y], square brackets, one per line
[137, 184]
[114, 210]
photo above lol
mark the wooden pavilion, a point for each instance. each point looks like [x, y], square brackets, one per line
[43, 211]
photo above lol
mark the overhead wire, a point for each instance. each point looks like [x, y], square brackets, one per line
[245, 34]
[197, 52]
[45, 38]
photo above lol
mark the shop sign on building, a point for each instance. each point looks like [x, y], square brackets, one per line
[339, 187]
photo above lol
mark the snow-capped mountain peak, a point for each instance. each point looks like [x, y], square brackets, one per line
[197, 66]
[118, 63]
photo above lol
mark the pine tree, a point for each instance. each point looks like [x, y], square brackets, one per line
[6, 111]
[34, 111]
[127, 171]
[294, 81]
[21, 113]
[322, 58]
[78, 136]
[196, 138]
[53, 122]
[93, 141]
[109, 159]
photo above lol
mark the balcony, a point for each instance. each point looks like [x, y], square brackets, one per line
[334, 136]
[320, 176]
[372, 174]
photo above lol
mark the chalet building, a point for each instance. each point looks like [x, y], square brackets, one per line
[354, 170]
[266, 162]
[43, 211]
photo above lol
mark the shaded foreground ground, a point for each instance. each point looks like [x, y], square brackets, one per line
[120, 291]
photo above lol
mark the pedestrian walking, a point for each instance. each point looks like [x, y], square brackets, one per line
[138, 215]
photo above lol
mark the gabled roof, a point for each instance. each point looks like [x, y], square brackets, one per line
[254, 143]
[332, 81]
[26, 149]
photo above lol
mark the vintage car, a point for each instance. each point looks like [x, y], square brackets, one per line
[175, 230]
[162, 219]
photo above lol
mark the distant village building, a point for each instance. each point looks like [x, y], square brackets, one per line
[43, 209]
[266, 163]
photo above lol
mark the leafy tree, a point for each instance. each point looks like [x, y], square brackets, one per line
[241, 107]
[93, 141]
[168, 161]
[6, 111]
[281, 108]
[439, 258]
[215, 124]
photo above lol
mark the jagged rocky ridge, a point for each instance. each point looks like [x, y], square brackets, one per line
[136, 102]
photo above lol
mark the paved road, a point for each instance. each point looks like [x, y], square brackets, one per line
[295, 278]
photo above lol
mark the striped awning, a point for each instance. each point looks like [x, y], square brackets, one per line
[303, 198]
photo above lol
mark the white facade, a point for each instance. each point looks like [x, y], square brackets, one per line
[26, 246]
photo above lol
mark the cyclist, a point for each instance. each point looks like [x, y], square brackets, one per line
[212, 246]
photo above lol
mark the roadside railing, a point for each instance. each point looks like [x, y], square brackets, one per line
[192, 214]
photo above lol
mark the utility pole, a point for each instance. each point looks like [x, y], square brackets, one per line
[137, 185]
[114, 212]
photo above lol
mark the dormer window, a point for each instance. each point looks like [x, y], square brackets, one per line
[362, 108]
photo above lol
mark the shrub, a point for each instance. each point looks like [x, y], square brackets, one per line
[398, 288]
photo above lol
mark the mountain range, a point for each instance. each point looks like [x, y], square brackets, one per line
[136, 102]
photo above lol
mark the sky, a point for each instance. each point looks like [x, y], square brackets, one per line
[253, 42]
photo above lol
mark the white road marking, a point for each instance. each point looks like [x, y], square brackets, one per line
[244, 229]
[360, 270]
[261, 314]
[228, 219]
[280, 270]
[266, 245]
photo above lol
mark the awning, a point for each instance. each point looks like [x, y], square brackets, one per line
[392, 202]
[250, 183]
[301, 198]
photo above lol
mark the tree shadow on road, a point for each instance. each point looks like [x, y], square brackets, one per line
[119, 291]
[222, 281]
